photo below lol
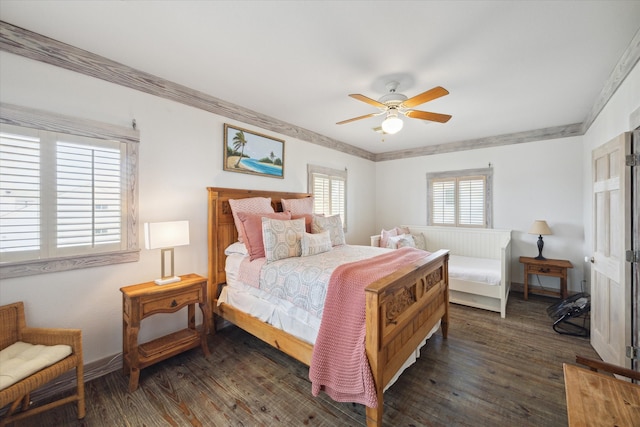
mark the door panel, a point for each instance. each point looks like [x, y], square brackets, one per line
[610, 273]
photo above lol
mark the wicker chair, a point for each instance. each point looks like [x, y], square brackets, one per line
[13, 328]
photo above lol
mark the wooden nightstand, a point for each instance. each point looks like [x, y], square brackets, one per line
[146, 299]
[547, 267]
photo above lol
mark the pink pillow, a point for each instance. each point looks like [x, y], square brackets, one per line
[385, 234]
[307, 220]
[256, 205]
[252, 225]
[298, 206]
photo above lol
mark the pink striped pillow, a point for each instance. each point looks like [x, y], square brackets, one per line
[255, 205]
[298, 206]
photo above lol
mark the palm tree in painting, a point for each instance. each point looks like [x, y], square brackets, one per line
[239, 141]
[272, 156]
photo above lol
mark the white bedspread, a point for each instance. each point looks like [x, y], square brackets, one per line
[484, 270]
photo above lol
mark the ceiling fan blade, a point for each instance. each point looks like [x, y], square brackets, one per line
[425, 115]
[429, 95]
[367, 100]
[366, 116]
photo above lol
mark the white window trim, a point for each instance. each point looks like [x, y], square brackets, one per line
[342, 174]
[487, 173]
[53, 122]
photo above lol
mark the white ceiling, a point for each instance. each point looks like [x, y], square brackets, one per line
[510, 66]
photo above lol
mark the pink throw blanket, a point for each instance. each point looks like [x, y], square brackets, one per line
[339, 363]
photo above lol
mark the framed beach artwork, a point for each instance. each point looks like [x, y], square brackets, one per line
[252, 153]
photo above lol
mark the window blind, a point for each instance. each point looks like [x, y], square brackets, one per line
[458, 200]
[329, 192]
[19, 193]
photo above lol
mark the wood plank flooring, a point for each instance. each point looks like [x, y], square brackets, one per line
[489, 372]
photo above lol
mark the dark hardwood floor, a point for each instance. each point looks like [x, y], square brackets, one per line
[489, 372]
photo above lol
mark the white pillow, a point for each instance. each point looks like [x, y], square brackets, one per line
[396, 242]
[421, 241]
[384, 236]
[332, 224]
[313, 244]
[236, 248]
[282, 238]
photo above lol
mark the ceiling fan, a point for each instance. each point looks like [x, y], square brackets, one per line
[393, 103]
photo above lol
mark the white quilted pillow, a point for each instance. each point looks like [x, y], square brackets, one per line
[282, 238]
[22, 359]
[313, 244]
[332, 224]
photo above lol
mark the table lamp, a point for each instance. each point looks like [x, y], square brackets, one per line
[540, 228]
[166, 236]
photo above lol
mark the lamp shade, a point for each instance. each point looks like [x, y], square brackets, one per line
[540, 227]
[392, 124]
[166, 234]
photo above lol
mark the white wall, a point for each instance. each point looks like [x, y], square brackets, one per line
[181, 151]
[611, 122]
[536, 180]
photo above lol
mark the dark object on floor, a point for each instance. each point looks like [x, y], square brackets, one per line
[573, 308]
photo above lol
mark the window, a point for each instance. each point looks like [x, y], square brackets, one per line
[329, 188]
[460, 198]
[67, 193]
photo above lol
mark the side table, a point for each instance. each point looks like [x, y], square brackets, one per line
[546, 267]
[146, 299]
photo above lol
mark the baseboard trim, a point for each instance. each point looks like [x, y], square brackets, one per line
[67, 381]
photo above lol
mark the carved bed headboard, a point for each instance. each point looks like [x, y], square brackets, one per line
[222, 230]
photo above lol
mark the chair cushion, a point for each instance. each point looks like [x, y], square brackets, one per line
[22, 359]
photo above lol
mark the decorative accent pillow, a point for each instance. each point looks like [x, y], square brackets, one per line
[402, 230]
[298, 206]
[313, 244]
[254, 205]
[421, 241]
[252, 225]
[236, 248]
[385, 234]
[333, 224]
[397, 242]
[307, 220]
[282, 238]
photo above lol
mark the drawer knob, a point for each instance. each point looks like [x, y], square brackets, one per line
[544, 270]
[174, 303]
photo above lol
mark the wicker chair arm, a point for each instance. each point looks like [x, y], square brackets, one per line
[54, 336]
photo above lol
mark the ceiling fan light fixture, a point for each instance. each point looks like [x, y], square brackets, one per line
[392, 124]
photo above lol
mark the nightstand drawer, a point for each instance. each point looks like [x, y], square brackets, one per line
[545, 269]
[168, 303]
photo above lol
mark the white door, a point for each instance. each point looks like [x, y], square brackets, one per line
[610, 273]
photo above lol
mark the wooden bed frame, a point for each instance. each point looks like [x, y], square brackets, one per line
[401, 309]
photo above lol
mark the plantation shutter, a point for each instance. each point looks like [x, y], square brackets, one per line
[471, 201]
[60, 195]
[88, 194]
[19, 194]
[459, 199]
[443, 209]
[329, 192]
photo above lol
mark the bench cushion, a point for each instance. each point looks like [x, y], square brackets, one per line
[22, 359]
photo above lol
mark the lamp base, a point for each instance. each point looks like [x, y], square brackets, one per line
[541, 258]
[167, 280]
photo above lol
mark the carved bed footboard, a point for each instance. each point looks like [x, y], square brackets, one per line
[401, 311]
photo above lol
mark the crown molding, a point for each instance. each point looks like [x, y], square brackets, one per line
[490, 141]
